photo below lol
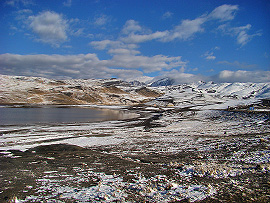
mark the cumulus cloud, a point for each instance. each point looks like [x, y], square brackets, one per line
[50, 27]
[131, 26]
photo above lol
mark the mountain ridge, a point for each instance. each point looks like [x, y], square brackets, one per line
[199, 95]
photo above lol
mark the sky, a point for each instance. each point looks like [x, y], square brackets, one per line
[221, 41]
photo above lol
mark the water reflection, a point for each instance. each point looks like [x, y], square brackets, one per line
[15, 116]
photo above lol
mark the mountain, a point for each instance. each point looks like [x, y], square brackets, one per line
[137, 83]
[211, 95]
[200, 95]
[163, 82]
[37, 90]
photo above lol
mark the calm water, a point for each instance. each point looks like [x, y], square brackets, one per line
[15, 116]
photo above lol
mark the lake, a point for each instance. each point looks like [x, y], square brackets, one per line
[47, 114]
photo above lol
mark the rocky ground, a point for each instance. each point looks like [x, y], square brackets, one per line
[165, 155]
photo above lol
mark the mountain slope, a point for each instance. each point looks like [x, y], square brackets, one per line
[211, 95]
[200, 95]
[36, 90]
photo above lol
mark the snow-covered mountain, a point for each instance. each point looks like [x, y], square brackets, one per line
[163, 82]
[200, 95]
[36, 90]
[212, 95]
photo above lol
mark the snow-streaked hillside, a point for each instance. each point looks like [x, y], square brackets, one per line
[211, 95]
[36, 90]
[200, 95]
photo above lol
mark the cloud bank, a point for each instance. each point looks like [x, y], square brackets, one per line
[85, 65]
[242, 76]
[222, 77]
[121, 66]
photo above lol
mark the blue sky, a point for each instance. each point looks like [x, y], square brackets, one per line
[223, 41]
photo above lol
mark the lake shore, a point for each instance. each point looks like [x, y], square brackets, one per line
[166, 155]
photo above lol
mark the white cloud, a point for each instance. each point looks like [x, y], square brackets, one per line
[127, 75]
[56, 66]
[209, 55]
[108, 44]
[24, 11]
[186, 29]
[224, 76]
[242, 36]
[102, 20]
[67, 3]
[85, 65]
[180, 77]
[134, 38]
[241, 33]
[131, 26]
[123, 51]
[124, 66]
[166, 15]
[134, 33]
[237, 64]
[50, 27]
[148, 64]
[101, 45]
[224, 12]
[243, 76]
[18, 3]
[79, 32]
